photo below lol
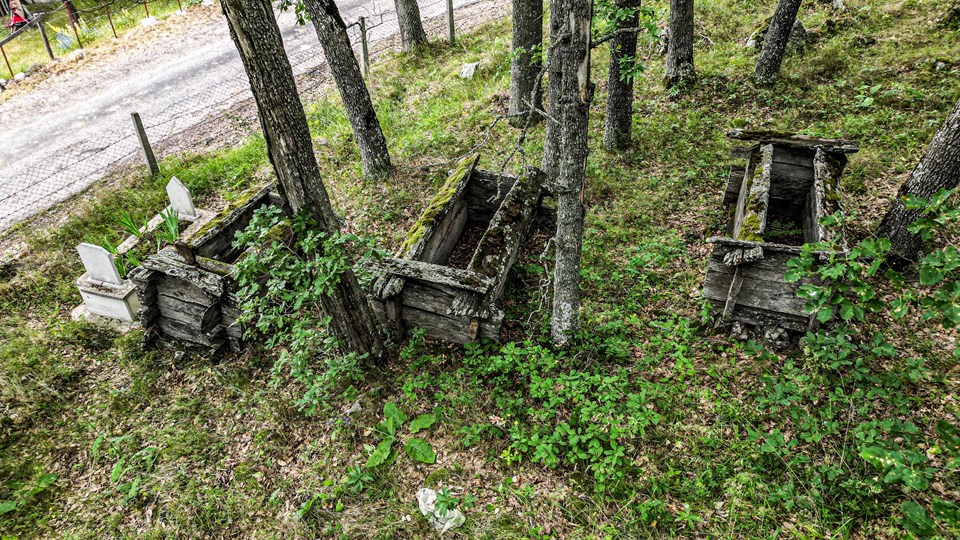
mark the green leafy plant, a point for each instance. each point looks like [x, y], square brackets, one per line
[132, 225]
[903, 467]
[292, 266]
[169, 229]
[357, 479]
[24, 492]
[417, 448]
[448, 501]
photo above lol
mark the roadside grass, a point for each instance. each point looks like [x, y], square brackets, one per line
[653, 426]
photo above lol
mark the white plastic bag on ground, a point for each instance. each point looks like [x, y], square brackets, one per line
[427, 500]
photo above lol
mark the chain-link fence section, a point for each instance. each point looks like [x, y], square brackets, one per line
[184, 115]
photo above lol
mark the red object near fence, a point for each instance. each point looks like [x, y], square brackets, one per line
[17, 16]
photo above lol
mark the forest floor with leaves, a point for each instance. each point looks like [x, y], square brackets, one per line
[654, 425]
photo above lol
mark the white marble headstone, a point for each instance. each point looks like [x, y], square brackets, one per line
[180, 199]
[99, 264]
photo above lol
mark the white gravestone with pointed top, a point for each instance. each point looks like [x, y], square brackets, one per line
[103, 291]
[180, 199]
[99, 264]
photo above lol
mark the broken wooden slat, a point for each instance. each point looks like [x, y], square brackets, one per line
[485, 192]
[445, 275]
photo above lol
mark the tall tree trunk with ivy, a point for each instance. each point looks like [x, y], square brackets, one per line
[577, 92]
[680, 68]
[254, 31]
[550, 162]
[775, 42]
[623, 52]
[332, 33]
[525, 93]
[412, 35]
[938, 169]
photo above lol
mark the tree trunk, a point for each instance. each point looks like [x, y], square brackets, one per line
[411, 27]
[525, 67]
[619, 120]
[938, 169]
[775, 42]
[290, 149]
[550, 164]
[680, 47]
[577, 91]
[332, 32]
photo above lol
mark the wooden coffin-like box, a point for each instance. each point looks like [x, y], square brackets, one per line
[788, 183]
[423, 287]
[187, 291]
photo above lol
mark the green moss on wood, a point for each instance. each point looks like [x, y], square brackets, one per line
[438, 205]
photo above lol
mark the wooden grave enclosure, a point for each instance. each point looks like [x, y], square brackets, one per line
[187, 291]
[787, 184]
[422, 288]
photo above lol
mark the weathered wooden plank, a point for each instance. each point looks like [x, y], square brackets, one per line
[202, 317]
[801, 157]
[827, 169]
[456, 330]
[760, 317]
[485, 192]
[792, 139]
[446, 235]
[171, 264]
[751, 218]
[734, 182]
[500, 245]
[445, 275]
[447, 199]
[215, 239]
[774, 296]
[179, 331]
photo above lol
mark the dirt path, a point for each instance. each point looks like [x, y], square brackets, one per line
[60, 134]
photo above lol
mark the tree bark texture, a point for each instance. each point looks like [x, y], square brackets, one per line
[619, 119]
[938, 169]
[525, 67]
[412, 35]
[577, 92]
[332, 33]
[775, 42]
[550, 164]
[290, 149]
[680, 47]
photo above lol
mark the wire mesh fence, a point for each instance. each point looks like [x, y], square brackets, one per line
[181, 115]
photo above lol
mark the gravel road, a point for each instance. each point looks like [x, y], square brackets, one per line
[60, 135]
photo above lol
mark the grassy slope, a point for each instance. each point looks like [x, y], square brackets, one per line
[717, 440]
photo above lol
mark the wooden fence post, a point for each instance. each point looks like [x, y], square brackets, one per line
[364, 53]
[450, 26]
[43, 36]
[145, 144]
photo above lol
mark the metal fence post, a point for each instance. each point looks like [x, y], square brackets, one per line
[109, 18]
[74, 25]
[7, 61]
[364, 53]
[450, 27]
[145, 144]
